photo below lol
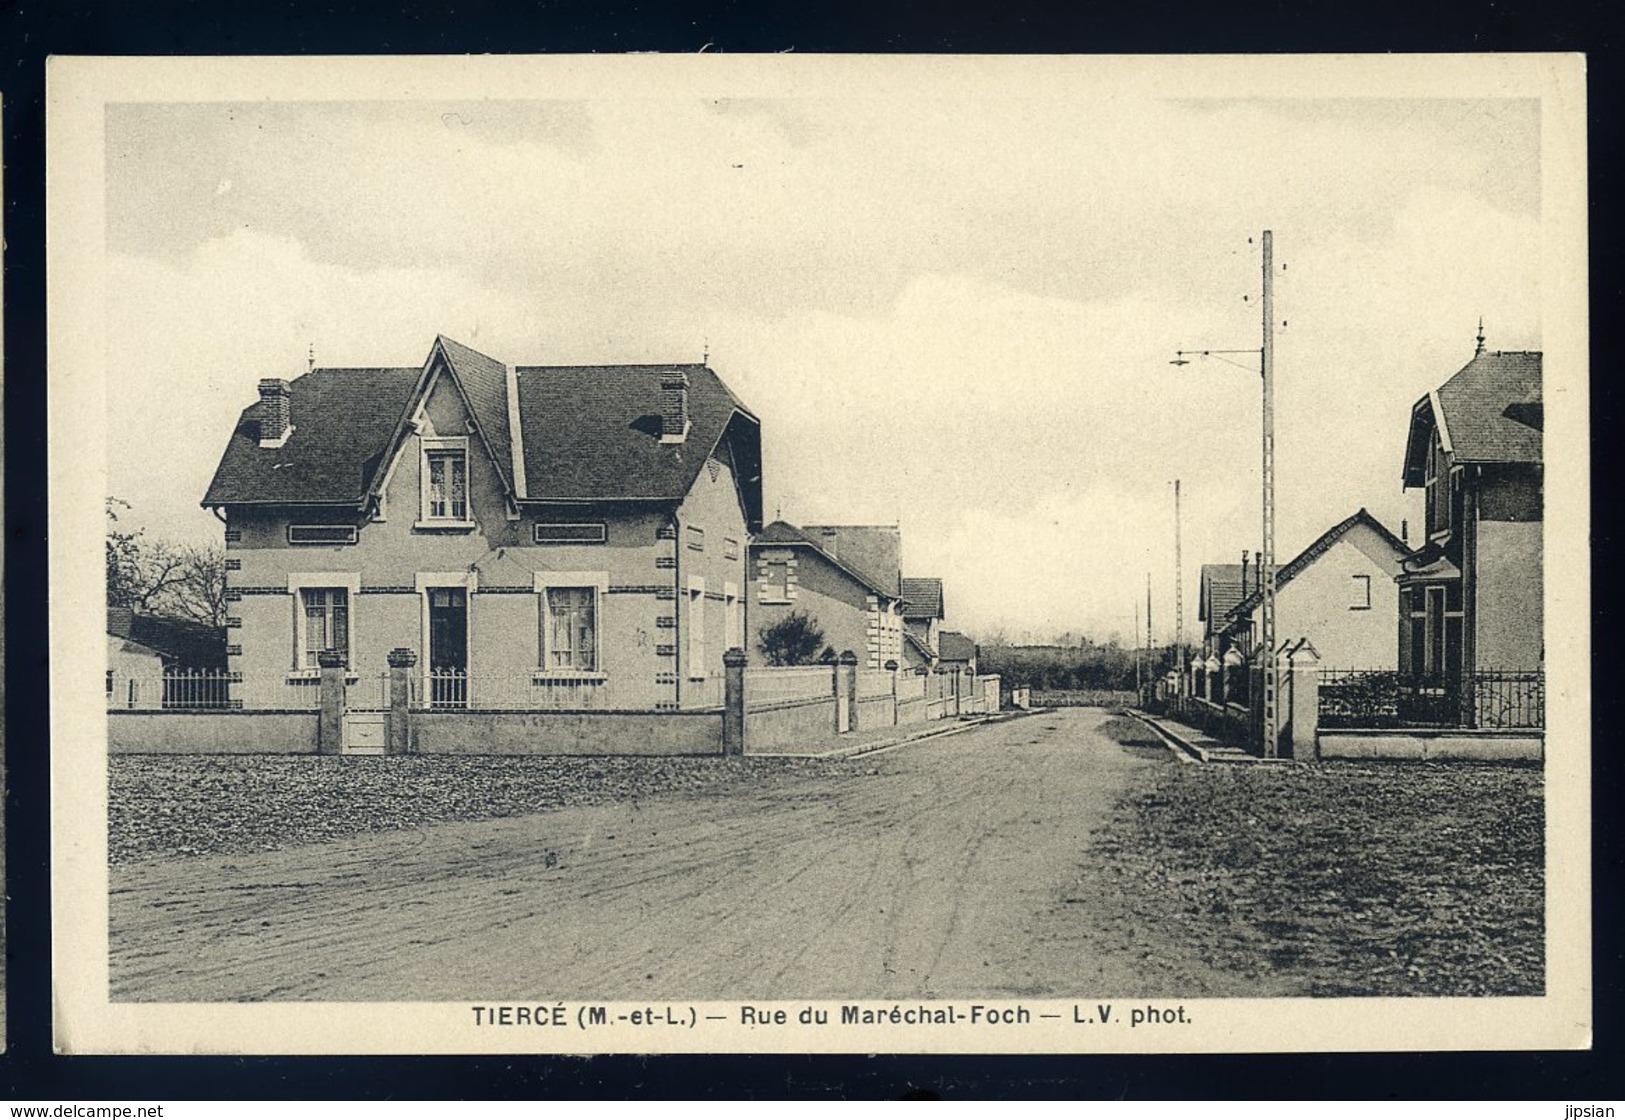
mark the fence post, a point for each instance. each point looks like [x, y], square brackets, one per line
[1303, 724]
[891, 667]
[846, 681]
[399, 737]
[733, 701]
[330, 726]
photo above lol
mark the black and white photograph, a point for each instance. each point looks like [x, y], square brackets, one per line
[843, 553]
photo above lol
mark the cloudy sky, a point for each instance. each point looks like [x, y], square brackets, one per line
[950, 312]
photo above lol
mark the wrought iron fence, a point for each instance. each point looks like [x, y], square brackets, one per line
[1509, 699]
[1382, 698]
[172, 690]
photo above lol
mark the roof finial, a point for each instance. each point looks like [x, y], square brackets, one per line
[778, 512]
[310, 358]
[705, 350]
[1480, 349]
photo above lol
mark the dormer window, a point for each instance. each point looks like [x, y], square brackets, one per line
[445, 483]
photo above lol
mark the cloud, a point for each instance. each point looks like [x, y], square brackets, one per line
[951, 314]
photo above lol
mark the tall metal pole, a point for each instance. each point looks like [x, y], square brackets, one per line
[1179, 597]
[1267, 559]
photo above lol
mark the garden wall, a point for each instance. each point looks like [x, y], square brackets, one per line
[1422, 746]
[568, 733]
[205, 732]
[792, 723]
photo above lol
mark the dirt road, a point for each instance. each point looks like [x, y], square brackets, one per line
[939, 869]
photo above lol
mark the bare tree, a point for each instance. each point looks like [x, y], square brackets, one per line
[157, 577]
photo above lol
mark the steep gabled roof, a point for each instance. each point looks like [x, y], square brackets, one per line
[925, 651]
[1288, 572]
[875, 551]
[592, 433]
[922, 598]
[782, 534]
[1489, 412]
[484, 382]
[954, 646]
[1221, 589]
[587, 433]
[343, 420]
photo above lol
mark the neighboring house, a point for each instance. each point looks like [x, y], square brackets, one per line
[922, 617]
[1470, 597]
[1222, 587]
[806, 570]
[1339, 593]
[142, 648]
[956, 664]
[555, 536]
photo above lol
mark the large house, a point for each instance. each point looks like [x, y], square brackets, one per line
[842, 577]
[539, 536]
[1470, 596]
[1339, 593]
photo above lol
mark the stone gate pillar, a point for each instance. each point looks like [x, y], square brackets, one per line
[733, 701]
[330, 724]
[399, 739]
[846, 680]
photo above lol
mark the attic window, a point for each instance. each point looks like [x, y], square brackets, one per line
[321, 534]
[445, 479]
[588, 532]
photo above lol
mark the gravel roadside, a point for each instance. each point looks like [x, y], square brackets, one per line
[1334, 879]
[198, 805]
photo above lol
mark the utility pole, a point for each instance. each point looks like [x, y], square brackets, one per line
[1267, 559]
[1179, 597]
[1139, 676]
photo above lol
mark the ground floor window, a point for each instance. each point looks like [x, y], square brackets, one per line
[324, 620]
[570, 629]
[1431, 619]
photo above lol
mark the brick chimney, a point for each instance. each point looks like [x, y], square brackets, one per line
[673, 407]
[275, 420]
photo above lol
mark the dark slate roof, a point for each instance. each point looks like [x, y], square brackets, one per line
[593, 432]
[193, 645]
[910, 638]
[1288, 572]
[1221, 590]
[782, 534]
[954, 646]
[1492, 413]
[485, 385]
[922, 597]
[342, 422]
[873, 551]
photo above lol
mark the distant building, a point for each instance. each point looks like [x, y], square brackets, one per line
[843, 577]
[922, 620]
[1339, 593]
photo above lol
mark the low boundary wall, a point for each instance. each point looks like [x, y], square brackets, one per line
[568, 733]
[205, 732]
[1434, 746]
[789, 723]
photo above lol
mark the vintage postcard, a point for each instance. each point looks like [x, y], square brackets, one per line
[834, 554]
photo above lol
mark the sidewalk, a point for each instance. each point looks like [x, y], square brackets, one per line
[1192, 745]
[861, 742]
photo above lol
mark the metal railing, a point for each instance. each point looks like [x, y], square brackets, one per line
[459, 690]
[172, 690]
[1382, 698]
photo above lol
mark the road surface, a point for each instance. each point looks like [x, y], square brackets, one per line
[940, 869]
